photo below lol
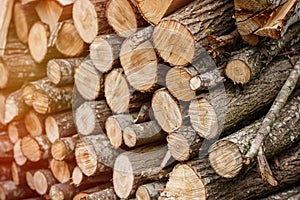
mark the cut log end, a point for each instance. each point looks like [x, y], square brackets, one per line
[13, 133]
[38, 41]
[114, 132]
[166, 110]
[41, 183]
[178, 83]
[203, 118]
[52, 130]
[28, 93]
[85, 119]
[77, 176]
[129, 137]
[238, 71]
[142, 194]
[226, 158]
[85, 20]
[195, 83]
[29, 179]
[164, 36]
[3, 74]
[19, 157]
[58, 150]
[60, 170]
[123, 176]
[15, 173]
[33, 124]
[124, 24]
[41, 102]
[179, 147]
[53, 71]
[20, 22]
[31, 149]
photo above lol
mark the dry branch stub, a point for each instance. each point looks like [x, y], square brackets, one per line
[211, 17]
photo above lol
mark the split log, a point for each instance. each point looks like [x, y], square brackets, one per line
[53, 99]
[249, 61]
[287, 194]
[10, 191]
[184, 143]
[119, 95]
[18, 69]
[139, 134]
[108, 194]
[89, 82]
[19, 157]
[90, 117]
[64, 148]
[5, 172]
[5, 16]
[167, 111]
[149, 191]
[95, 154]
[226, 155]
[60, 125]
[43, 180]
[222, 109]
[61, 71]
[115, 126]
[35, 148]
[86, 192]
[16, 130]
[90, 20]
[35, 123]
[195, 175]
[154, 11]
[137, 167]
[211, 17]
[105, 50]
[61, 170]
[24, 17]
[127, 23]
[61, 191]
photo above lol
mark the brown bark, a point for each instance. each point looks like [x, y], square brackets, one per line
[95, 154]
[61, 191]
[108, 194]
[89, 82]
[19, 157]
[16, 130]
[61, 170]
[5, 172]
[139, 134]
[291, 193]
[17, 69]
[9, 191]
[213, 113]
[86, 192]
[211, 17]
[149, 191]
[64, 148]
[90, 117]
[60, 125]
[61, 71]
[5, 17]
[24, 17]
[43, 180]
[35, 123]
[35, 148]
[137, 167]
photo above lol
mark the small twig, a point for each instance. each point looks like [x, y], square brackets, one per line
[271, 116]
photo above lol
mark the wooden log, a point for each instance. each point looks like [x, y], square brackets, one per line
[61, 191]
[29, 179]
[90, 20]
[24, 17]
[197, 172]
[127, 23]
[251, 6]
[5, 172]
[89, 82]
[289, 193]
[166, 110]
[19, 157]
[140, 134]
[10, 191]
[16, 130]
[90, 117]
[136, 167]
[53, 100]
[35, 123]
[107, 193]
[43, 180]
[5, 16]
[149, 191]
[115, 126]
[249, 61]
[64, 148]
[211, 17]
[105, 50]
[184, 143]
[119, 95]
[231, 150]
[18, 69]
[154, 11]
[60, 125]
[61, 170]
[209, 115]
[61, 71]
[95, 154]
[36, 148]
[88, 191]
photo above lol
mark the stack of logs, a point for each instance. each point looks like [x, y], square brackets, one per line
[120, 99]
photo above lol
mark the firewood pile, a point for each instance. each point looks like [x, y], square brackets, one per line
[149, 99]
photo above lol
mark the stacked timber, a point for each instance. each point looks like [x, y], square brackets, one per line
[149, 99]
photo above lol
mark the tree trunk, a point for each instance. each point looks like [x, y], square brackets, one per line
[222, 109]
[95, 154]
[35, 123]
[140, 134]
[64, 148]
[16, 130]
[9, 191]
[149, 191]
[61, 71]
[36, 148]
[43, 180]
[226, 155]
[90, 117]
[60, 125]
[137, 167]
[211, 17]
[61, 170]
